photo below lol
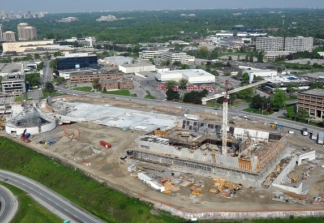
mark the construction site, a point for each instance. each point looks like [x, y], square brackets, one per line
[177, 161]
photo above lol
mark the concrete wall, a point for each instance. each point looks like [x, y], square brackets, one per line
[289, 167]
[297, 190]
[208, 169]
[309, 156]
[19, 131]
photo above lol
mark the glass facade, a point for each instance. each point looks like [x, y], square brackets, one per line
[77, 62]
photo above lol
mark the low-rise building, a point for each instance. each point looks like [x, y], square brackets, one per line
[14, 84]
[23, 46]
[132, 68]
[312, 101]
[181, 57]
[193, 76]
[120, 84]
[85, 77]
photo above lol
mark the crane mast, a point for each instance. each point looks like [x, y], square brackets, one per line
[225, 122]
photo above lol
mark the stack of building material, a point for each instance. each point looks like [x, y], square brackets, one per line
[318, 200]
[296, 196]
[171, 188]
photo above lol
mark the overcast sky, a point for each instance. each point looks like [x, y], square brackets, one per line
[57, 6]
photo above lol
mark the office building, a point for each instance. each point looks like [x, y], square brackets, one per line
[270, 43]
[26, 32]
[76, 61]
[120, 84]
[299, 44]
[133, 68]
[193, 76]
[173, 56]
[14, 84]
[23, 46]
[1, 33]
[312, 101]
[88, 77]
[8, 36]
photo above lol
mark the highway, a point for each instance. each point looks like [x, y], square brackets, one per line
[235, 111]
[52, 201]
[9, 205]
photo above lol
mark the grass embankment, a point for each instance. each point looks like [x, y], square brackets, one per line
[149, 96]
[257, 111]
[121, 92]
[85, 89]
[29, 210]
[108, 204]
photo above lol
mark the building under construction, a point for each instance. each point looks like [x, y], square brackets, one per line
[196, 147]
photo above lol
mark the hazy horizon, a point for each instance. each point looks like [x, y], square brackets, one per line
[69, 6]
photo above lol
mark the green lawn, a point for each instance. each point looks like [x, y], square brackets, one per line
[257, 111]
[108, 204]
[317, 124]
[149, 96]
[18, 98]
[49, 94]
[121, 92]
[86, 89]
[29, 210]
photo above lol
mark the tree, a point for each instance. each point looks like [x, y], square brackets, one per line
[291, 87]
[58, 54]
[259, 102]
[183, 83]
[245, 94]
[316, 85]
[53, 64]
[203, 52]
[37, 56]
[302, 114]
[291, 111]
[230, 58]
[245, 78]
[170, 84]
[49, 87]
[104, 90]
[95, 84]
[278, 99]
[172, 95]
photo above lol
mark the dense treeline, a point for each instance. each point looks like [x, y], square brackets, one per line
[160, 26]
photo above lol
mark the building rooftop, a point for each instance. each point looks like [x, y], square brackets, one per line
[137, 65]
[13, 77]
[189, 72]
[316, 92]
[114, 81]
[6, 68]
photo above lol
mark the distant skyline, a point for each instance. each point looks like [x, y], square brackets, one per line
[66, 6]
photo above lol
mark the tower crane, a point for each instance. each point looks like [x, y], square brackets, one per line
[225, 107]
[225, 123]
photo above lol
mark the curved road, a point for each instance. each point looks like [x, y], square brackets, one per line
[52, 201]
[9, 205]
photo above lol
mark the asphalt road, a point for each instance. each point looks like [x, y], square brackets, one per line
[52, 201]
[9, 205]
[47, 73]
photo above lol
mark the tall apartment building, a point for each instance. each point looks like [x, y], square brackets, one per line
[1, 33]
[270, 43]
[9, 36]
[26, 32]
[299, 44]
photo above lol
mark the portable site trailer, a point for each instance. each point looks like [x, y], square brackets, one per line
[314, 135]
[320, 139]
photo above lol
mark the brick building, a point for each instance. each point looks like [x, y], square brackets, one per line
[89, 77]
[121, 84]
[312, 101]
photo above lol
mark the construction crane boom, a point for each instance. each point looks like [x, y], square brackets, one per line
[216, 96]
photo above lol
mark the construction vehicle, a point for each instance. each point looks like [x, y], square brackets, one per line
[23, 137]
[276, 126]
[293, 180]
